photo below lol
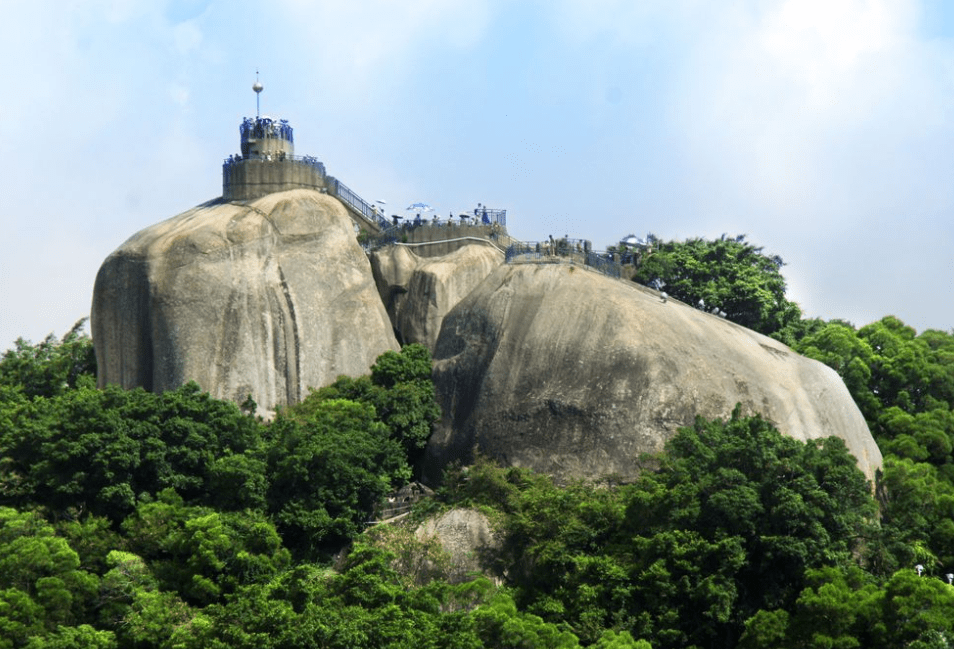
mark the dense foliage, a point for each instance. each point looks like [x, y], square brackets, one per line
[904, 385]
[728, 526]
[50, 367]
[400, 391]
[727, 275]
[129, 519]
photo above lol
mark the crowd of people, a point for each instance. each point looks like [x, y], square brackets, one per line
[435, 220]
[479, 216]
[278, 156]
[265, 127]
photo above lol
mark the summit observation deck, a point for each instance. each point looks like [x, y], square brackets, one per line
[268, 164]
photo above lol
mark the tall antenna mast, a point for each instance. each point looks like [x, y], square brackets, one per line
[257, 87]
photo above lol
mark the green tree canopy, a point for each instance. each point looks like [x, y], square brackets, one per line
[728, 274]
[329, 471]
[756, 508]
[400, 390]
[902, 382]
[843, 608]
[101, 450]
[51, 367]
[42, 586]
[203, 554]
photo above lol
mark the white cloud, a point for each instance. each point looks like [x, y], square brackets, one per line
[820, 120]
[625, 23]
[186, 37]
[821, 37]
[822, 129]
[837, 60]
[368, 45]
[779, 98]
[179, 94]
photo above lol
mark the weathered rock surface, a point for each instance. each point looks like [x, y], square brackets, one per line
[467, 536]
[419, 291]
[266, 298]
[571, 373]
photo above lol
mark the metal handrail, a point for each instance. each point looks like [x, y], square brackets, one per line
[488, 215]
[547, 251]
[358, 204]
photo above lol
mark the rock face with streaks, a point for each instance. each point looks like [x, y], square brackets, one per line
[419, 291]
[568, 372]
[543, 365]
[265, 298]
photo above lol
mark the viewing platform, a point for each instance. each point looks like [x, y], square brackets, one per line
[248, 177]
[268, 162]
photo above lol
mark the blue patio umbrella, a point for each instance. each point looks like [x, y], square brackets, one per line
[419, 207]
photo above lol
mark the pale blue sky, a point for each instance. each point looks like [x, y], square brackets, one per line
[822, 129]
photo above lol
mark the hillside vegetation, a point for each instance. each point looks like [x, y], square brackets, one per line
[131, 519]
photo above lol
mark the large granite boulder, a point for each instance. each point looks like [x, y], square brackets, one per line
[265, 298]
[571, 373]
[419, 291]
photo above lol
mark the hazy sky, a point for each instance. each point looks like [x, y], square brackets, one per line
[822, 129]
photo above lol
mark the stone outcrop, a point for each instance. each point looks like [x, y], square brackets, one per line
[419, 291]
[560, 369]
[266, 298]
[544, 365]
[469, 540]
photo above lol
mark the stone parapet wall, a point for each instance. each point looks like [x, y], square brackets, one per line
[247, 179]
[444, 239]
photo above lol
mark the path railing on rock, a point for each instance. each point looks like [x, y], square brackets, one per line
[573, 250]
[399, 233]
[360, 206]
[553, 250]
